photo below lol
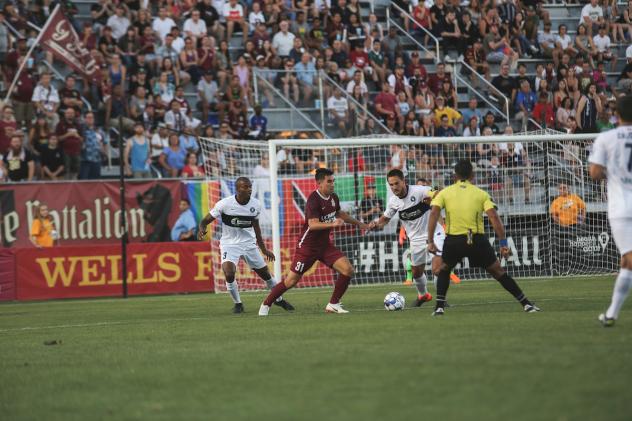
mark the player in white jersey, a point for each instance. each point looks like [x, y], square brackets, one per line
[241, 237]
[412, 203]
[611, 158]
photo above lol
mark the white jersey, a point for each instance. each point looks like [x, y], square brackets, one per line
[237, 220]
[413, 213]
[613, 150]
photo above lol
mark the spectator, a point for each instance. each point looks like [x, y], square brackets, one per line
[506, 86]
[399, 82]
[498, 48]
[173, 157]
[603, 45]
[454, 117]
[584, 45]
[159, 142]
[70, 138]
[386, 103]
[338, 108]
[21, 97]
[175, 118]
[476, 59]
[234, 14]
[283, 41]
[43, 231]
[262, 169]
[445, 129]
[451, 34]
[192, 169]
[185, 227]
[258, 124]
[39, 136]
[564, 112]
[92, 150]
[546, 42]
[117, 110]
[189, 60]
[567, 210]
[472, 129]
[137, 155]
[119, 21]
[371, 206]
[472, 111]
[543, 111]
[162, 24]
[489, 122]
[18, 161]
[525, 102]
[52, 160]
[588, 108]
[195, 27]
[306, 76]
[46, 100]
[188, 141]
[435, 80]
[391, 45]
[591, 16]
[357, 81]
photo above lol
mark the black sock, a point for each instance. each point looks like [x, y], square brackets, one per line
[443, 283]
[512, 287]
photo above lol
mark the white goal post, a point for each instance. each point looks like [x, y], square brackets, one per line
[523, 173]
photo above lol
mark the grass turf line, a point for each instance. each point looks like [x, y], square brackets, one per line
[187, 357]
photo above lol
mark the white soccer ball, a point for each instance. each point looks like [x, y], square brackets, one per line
[394, 301]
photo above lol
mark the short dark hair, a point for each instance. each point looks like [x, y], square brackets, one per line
[322, 173]
[184, 199]
[395, 173]
[624, 108]
[242, 180]
[463, 169]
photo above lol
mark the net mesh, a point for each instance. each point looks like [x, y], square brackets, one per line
[554, 214]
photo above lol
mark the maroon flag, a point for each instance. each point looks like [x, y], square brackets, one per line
[60, 38]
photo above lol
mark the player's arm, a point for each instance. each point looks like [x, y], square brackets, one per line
[499, 229]
[260, 243]
[315, 224]
[597, 172]
[351, 220]
[380, 223]
[433, 218]
[203, 223]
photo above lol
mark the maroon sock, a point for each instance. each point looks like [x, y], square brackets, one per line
[275, 293]
[339, 290]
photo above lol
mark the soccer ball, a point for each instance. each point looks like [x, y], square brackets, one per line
[394, 301]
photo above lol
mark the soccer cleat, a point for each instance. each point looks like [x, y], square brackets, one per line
[335, 308]
[264, 310]
[606, 321]
[531, 308]
[422, 299]
[284, 305]
[238, 308]
[438, 312]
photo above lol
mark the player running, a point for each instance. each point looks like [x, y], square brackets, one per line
[322, 215]
[611, 158]
[241, 235]
[413, 203]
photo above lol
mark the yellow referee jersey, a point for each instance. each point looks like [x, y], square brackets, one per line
[464, 205]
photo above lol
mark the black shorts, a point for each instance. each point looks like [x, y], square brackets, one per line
[480, 253]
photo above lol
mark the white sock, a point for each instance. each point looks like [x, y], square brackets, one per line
[620, 293]
[233, 290]
[271, 283]
[421, 284]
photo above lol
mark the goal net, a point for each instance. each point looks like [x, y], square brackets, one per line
[554, 214]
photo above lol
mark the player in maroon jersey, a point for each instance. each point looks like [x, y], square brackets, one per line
[322, 215]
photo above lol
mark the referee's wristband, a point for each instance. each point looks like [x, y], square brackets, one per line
[503, 243]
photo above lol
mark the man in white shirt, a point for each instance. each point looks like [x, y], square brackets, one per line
[283, 41]
[338, 108]
[564, 43]
[46, 100]
[207, 91]
[603, 44]
[233, 12]
[159, 142]
[628, 53]
[357, 81]
[118, 22]
[162, 24]
[195, 27]
[611, 159]
[591, 16]
[175, 118]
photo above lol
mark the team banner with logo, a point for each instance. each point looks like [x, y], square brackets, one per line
[74, 272]
[60, 38]
[88, 213]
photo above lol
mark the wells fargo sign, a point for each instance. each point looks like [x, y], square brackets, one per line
[89, 212]
[72, 272]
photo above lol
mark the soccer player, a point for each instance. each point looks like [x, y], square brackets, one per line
[412, 203]
[322, 215]
[464, 206]
[241, 235]
[611, 158]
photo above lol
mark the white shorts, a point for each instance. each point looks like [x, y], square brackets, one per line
[250, 253]
[622, 233]
[419, 251]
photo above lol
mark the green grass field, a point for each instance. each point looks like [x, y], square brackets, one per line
[188, 358]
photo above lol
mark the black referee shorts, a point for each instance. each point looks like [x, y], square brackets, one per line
[480, 253]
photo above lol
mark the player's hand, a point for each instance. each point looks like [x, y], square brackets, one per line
[372, 225]
[268, 255]
[338, 222]
[427, 200]
[432, 248]
[201, 233]
[505, 252]
[364, 227]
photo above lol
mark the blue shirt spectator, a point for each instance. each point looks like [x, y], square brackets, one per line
[185, 227]
[173, 157]
[258, 124]
[305, 72]
[525, 98]
[189, 143]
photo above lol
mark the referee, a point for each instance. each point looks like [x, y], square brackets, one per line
[465, 204]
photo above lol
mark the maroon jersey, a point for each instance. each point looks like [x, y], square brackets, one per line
[325, 210]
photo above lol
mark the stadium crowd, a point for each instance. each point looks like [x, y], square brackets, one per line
[151, 53]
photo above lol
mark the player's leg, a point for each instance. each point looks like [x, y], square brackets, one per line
[452, 252]
[343, 266]
[264, 273]
[485, 257]
[301, 263]
[229, 268]
[622, 234]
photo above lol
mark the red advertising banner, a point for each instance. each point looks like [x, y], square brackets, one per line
[60, 38]
[7, 274]
[88, 212]
[76, 272]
